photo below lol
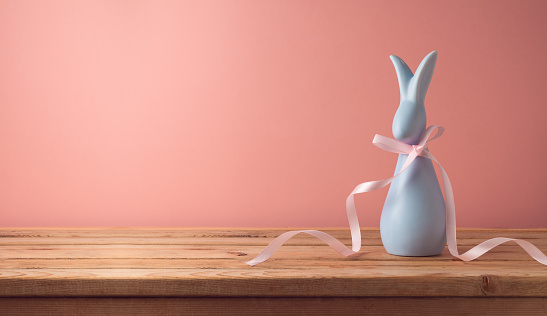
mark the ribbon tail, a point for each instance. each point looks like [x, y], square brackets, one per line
[483, 247]
[355, 229]
[283, 238]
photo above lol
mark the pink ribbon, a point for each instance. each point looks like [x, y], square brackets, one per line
[412, 151]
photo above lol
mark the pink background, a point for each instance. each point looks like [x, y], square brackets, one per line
[261, 113]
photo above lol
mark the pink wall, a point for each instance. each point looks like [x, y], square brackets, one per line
[261, 113]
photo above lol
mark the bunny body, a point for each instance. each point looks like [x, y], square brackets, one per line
[413, 221]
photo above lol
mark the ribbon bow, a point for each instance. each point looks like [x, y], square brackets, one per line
[412, 151]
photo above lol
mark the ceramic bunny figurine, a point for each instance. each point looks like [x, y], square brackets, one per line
[414, 217]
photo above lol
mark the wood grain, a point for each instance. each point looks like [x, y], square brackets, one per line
[274, 306]
[137, 266]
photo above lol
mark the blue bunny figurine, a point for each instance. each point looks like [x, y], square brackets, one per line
[413, 221]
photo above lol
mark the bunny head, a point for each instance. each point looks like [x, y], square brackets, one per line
[410, 120]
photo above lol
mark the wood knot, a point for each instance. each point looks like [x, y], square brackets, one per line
[487, 285]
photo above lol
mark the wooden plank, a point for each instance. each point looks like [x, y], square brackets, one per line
[506, 252]
[273, 306]
[197, 236]
[113, 232]
[483, 267]
[265, 282]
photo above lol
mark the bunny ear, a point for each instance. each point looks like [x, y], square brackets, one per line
[404, 74]
[422, 78]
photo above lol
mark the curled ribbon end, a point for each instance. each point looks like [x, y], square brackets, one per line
[257, 260]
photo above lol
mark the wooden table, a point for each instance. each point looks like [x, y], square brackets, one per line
[166, 271]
